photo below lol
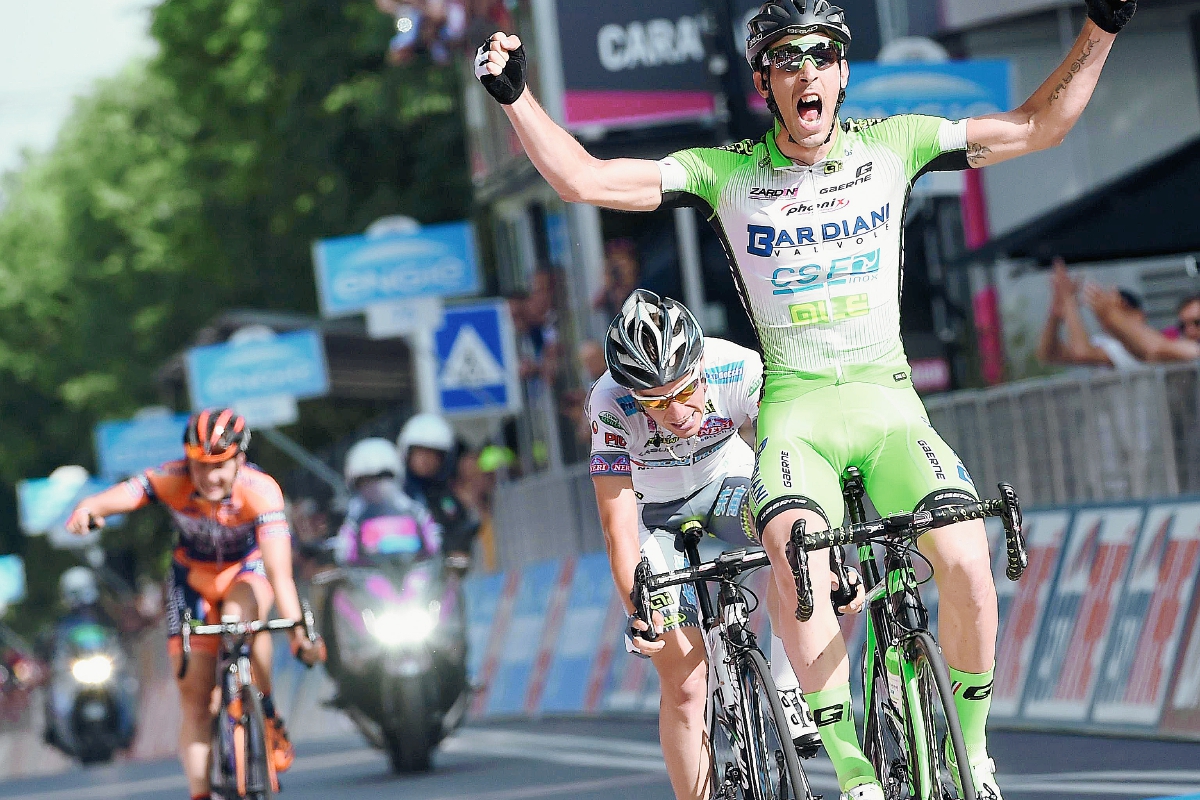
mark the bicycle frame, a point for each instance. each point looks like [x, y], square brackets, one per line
[895, 614]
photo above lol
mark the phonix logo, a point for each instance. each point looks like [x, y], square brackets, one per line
[853, 269]
[765, 241]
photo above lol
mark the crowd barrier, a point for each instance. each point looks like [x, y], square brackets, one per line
[1101, 635]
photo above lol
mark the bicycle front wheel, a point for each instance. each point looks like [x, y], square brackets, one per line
[258, 760]
[774, 768]
[932, 721]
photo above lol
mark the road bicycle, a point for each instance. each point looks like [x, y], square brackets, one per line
[753, 754]
[911, 724]
[242, 762]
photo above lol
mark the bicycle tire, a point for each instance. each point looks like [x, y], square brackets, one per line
[260, 778]
[884, 734]
[775, 770]
[935, 704]
[728, 779]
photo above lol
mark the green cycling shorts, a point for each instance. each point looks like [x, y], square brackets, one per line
[806, 443]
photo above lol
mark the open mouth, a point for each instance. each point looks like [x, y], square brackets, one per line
[681, 427]
[809, 107]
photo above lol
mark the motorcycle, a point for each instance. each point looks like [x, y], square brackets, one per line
[396, 633]
[92, 696]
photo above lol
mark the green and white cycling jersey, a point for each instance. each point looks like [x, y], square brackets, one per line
[817, 250]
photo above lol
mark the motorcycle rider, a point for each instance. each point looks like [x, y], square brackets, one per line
[80, 596]
[428, 452]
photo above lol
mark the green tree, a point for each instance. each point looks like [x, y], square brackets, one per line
[197, 183]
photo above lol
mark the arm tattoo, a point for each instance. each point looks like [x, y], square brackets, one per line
[977, 154]
[1074, 68]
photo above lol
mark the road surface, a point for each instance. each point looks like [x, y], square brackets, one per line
[605, 759]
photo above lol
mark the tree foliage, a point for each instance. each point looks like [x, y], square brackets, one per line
[196, 183]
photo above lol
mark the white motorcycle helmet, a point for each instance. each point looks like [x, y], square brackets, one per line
[425, 430]
[371, 457]
[78, 587]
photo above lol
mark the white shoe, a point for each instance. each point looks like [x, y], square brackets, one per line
[801, 725]
[983, 772]
[867, 791]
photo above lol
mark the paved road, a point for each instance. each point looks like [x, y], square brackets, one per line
[614, 758]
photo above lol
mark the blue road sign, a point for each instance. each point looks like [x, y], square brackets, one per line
[289, 364]
[952, 89]
[45, 503]
[477, 361]
[354, 272]
[12, 580]
[126, 447]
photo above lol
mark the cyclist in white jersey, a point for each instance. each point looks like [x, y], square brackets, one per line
[665, 448]
[811, 218]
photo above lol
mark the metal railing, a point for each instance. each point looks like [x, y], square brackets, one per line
[1086, 437]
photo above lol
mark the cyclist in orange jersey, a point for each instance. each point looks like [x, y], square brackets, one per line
[233, 558]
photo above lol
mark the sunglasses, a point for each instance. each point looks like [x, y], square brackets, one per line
[662, 402]
[791, 57]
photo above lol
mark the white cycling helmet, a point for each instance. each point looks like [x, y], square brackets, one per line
[425, 430]
[78, 587]
[371, 457]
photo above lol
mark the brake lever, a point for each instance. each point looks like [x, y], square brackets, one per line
[846, 590]
[1014, 537]
[797, 558]
[641, 600]
[185, 633]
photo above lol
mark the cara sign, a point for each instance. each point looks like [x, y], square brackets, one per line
[354, 272]
[286, 365]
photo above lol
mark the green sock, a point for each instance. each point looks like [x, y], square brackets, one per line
[973, 699]
[831, 710]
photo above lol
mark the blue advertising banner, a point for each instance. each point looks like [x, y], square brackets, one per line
[12, 580]
[581, 635]
[126, 447]
[354, 272]
[289, 364]
[44, 503]
[509, 684]
[477, 360]
[952, 89]
[1069, 658]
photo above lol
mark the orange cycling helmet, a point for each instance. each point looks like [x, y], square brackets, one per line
[214, 435]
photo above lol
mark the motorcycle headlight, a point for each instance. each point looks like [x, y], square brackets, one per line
[405, 625]
[92, 669]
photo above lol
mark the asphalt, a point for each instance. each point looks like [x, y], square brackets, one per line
[609, 758]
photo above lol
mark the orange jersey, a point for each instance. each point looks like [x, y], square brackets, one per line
[215, 532]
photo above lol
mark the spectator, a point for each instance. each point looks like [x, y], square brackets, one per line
[622, 274]
[1079, 348]
[1139, 338]
[475, 488]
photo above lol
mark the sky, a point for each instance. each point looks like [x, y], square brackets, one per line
[54, 50]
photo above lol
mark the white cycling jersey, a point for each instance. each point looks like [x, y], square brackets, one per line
[626, 441]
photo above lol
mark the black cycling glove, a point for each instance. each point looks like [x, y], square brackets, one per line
[1111, 15]
[509, 84]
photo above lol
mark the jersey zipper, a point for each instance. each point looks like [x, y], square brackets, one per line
[828, 294]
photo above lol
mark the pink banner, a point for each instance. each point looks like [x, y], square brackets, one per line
[622, 108]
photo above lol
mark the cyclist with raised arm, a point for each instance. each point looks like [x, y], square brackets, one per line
[665, 448]
[811, 217]
[233, 558]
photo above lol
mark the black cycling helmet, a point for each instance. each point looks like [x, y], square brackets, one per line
[652, 342]
[779, 19]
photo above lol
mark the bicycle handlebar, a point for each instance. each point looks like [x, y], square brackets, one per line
[908, 525]
[726, 565]
[251, 628]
